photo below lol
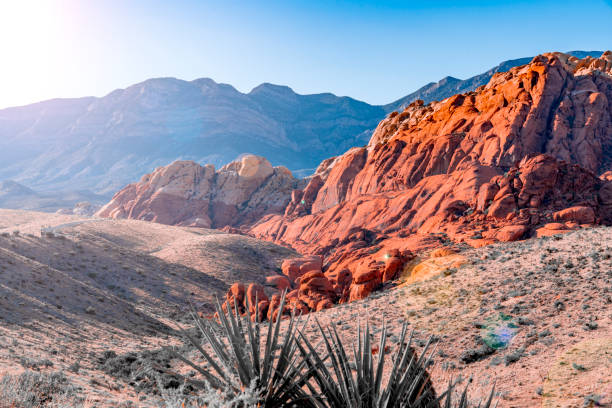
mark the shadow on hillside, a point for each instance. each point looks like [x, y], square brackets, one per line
[90, 282]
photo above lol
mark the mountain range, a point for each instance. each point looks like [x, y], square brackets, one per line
[101, 144]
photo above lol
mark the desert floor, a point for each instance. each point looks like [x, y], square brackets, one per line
[97, 299]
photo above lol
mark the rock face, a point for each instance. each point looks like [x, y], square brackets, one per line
[514, 159]
[185, 193]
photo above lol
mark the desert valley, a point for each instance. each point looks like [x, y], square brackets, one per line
[482, 221]
[186, 244]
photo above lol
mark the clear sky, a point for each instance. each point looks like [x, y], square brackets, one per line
[376, 51]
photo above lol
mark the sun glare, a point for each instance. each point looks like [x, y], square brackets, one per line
[31, 34]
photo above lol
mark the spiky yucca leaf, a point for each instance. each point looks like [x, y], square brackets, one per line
[358, 383]
[239, 360]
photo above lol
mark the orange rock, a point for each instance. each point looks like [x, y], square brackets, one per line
[393, 266]
[255, 294]
[511, 233]
[294, 268]
[578, 214]
[235, 298]
[279, 282]
[479, 167]
[316, 284]
[552, 228]
[324, 304]
[502, 207]
[440, 252]
[485, 195]
[309, 276]
[362, 290]
[262, 311]
[291, 268]
[366, 272]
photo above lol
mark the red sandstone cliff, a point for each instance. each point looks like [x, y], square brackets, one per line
[518, 157]
[529, 154]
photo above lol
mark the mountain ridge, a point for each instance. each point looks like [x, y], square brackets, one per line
[441, 89]
[102, 144]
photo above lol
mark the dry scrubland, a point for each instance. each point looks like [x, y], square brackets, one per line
[102, 285]
[535, 316]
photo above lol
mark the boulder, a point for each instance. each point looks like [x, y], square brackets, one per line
[578, 214]
[511, 233]
[362, 290]
[440, 252]
[255, 294]
[235, 298]
[279, 282]
[366, 272]
[296, 267]
[393, 266]
[552, 228]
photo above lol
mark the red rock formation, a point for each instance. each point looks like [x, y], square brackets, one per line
[517, 158]
[185, 193]
[493, 165]
[281, 283]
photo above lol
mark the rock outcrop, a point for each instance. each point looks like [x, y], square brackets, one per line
[185, 193]
[517, 158]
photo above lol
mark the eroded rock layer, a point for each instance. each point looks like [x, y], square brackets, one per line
[185, 193]
[517, 158]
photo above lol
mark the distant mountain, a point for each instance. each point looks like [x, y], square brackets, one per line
[19, 197]
[448, 86]
[102, 144]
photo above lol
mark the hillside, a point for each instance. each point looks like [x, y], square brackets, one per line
[533, 317]
[90, 286]
[16, 196]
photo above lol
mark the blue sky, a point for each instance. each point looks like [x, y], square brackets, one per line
[376, 51]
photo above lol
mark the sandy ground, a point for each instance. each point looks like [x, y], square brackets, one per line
[535, 317]
[100, 285]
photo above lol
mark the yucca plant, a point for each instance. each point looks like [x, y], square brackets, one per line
[359, 383]
[287, 371]
[447, 396]
[272, 373]
[408, 384]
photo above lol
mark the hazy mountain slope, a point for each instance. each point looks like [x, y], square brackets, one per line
[448, 86]
[104, 143]
[19, 197]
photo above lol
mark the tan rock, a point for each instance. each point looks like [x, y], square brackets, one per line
[185, 193]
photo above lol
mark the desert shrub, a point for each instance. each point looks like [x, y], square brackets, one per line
[287, 370]
[246, 371]
[31, 389]
[358, 382]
